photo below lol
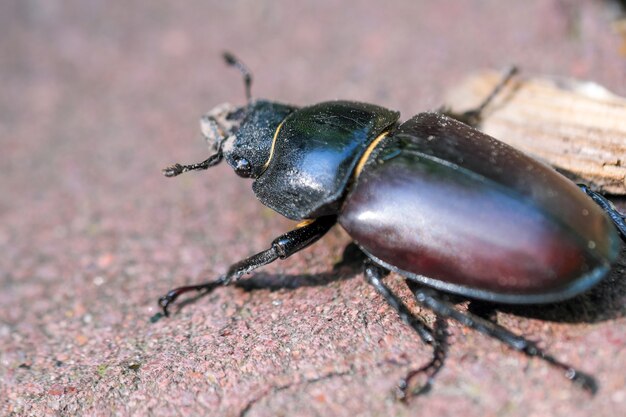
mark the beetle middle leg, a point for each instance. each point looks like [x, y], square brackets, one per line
[433, 300]
[436, 337]
[282, 247]
[618, 218]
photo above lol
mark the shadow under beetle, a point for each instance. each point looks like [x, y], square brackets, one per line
[515, 231]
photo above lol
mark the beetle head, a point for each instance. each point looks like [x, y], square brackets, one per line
[245, 134]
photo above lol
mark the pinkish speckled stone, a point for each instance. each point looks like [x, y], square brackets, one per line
[98, 96]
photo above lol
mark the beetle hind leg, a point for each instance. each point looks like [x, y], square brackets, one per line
[409, 386]
[432, 300]
[618, 218]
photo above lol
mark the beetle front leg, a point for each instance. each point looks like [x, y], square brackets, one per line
[618, 218]
[437, 337]
[432, 300]
[282, 247]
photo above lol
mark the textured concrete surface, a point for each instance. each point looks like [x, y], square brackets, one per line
[98, 96]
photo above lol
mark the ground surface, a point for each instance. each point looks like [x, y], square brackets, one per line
[98, 96]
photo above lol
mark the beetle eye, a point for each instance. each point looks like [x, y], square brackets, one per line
[243, 167]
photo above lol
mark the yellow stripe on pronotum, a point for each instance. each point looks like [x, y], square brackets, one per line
[367, 153]
[273, 145]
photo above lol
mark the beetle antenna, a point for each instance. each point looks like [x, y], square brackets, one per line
[473, 117]
[233, 61]
[177, 169]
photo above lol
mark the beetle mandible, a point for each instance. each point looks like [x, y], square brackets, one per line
[516, 231]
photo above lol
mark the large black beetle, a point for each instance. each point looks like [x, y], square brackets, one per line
[433, 199]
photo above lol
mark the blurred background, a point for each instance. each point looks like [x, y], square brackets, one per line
[98, 96]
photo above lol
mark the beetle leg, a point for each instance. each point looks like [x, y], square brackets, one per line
[474, 116]
[432, 368]
[483, 310]
[432, 300]
[618, 218]
[437, 338]
[282, 247]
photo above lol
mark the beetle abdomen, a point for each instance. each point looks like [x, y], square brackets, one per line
[458, 210]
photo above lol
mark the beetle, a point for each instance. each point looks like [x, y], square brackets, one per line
[515, 231]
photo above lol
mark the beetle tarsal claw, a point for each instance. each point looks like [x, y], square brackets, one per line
[166, 301]
[407, 390]
[419, 381]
